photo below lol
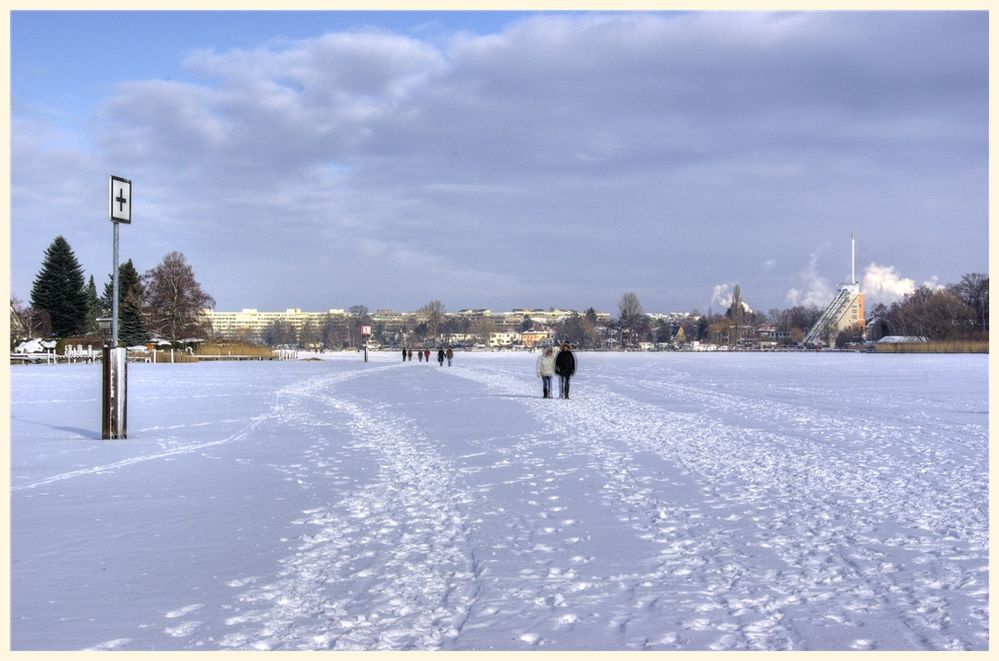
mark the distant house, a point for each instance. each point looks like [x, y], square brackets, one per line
[35, 346]
[532, 338]
[503, 340]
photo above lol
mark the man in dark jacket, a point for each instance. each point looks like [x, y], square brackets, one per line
[565, 367]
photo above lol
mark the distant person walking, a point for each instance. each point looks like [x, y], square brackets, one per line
[409, 355]
[450, 355]
[440, 356]
[565, 367]
[419, 354]
[546, 369]
[403, 355]
[426, 354]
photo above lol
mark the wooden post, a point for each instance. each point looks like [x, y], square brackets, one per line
[114, 398]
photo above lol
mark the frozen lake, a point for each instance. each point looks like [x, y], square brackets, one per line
[677, 501]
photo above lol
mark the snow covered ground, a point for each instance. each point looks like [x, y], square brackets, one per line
[677, 501]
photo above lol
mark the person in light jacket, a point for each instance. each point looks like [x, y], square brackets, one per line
[450, 356]
[546, 369]
[565, 367]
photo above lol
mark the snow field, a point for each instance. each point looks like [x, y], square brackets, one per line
[735, 502]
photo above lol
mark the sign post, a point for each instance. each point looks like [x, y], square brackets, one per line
[115, 365]
[365, 332]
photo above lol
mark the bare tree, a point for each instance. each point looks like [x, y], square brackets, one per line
[18, 327]
[433, 314]
[482, 328]
[27, 322]
[174, 299]
[735, 313]
[633, 322]
[974, 291]
[333, 331]
[578, 331]
[359, 316]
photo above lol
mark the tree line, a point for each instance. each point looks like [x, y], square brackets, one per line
[958, 311]
[166, 301]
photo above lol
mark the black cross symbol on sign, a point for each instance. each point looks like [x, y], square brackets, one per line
[121, 200]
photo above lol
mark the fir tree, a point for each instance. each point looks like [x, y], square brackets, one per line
[91, 326]
[131, 321]
[59, 290]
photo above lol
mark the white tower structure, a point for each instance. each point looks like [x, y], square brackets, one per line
[845, 311]
[853, 264]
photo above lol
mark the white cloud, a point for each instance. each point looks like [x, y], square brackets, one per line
[934, 283]
[883, 284]
[643, 133]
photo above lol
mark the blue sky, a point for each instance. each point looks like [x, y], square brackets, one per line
[493, 159]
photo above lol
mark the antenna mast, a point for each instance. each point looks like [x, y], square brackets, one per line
[853, 260]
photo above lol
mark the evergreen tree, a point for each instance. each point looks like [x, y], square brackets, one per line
[91, 326]
[131, 320]
[59, 290]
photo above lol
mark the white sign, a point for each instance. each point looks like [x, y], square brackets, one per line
[120, 203]
[365, 330]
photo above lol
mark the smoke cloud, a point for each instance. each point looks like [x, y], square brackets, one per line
[883, 284]
[815, 290]
[722, 294]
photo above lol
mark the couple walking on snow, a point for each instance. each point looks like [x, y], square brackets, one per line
[563, 364]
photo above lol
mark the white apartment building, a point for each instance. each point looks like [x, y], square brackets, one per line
[250, 322]
[504, 339]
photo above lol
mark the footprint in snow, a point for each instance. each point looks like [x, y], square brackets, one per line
[109, 645]
[182, 630]
[180, 612]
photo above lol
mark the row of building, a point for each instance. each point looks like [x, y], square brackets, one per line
[506, 328]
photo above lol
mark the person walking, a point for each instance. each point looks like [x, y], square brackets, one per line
[419, 354]
[450, 355]
[565, 367]
[546, 369]
[426, 354]
[440, 356]
[404, 354]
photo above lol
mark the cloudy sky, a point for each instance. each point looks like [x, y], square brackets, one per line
[488, 159]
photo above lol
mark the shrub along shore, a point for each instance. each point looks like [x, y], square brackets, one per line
[952, 346]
